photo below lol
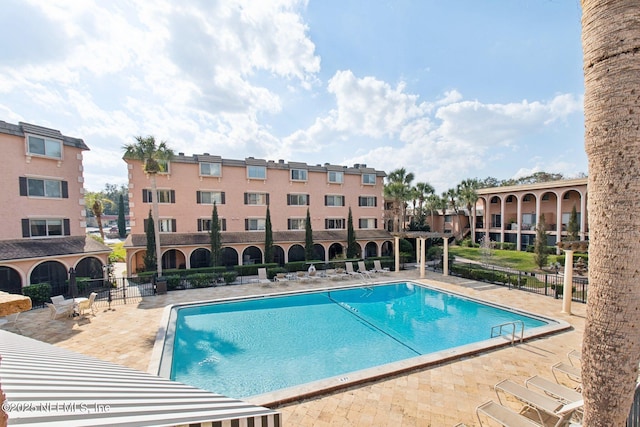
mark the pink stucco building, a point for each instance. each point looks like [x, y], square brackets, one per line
[242, 190]
[42, 234]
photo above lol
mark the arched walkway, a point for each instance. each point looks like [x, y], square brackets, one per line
[10, 280]
[229, 257]
[296, 253]
[89, 267]
[278, 255]
[252, 255]
[318, 252]
[52, 272]
[173, 258]
[199, 258]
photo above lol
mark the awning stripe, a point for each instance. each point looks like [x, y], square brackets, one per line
[48, 385]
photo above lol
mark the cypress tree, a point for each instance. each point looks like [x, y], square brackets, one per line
[352, 245]
[573, 228]
[150, 258]
[540, 254]
[308, 238]
[268, 239]
[122, 224]
[215, 237]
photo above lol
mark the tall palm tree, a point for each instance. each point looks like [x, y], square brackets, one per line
[423, 190]
[398, 188]
[611, 340]
[96, 203]
[153, 157]
[433, 204]
[451, 196]
[468, 194]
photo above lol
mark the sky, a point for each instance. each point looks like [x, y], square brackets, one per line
[448, 90]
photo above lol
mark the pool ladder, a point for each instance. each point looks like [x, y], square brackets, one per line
[498, 330]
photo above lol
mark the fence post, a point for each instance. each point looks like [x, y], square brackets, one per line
[546, 276]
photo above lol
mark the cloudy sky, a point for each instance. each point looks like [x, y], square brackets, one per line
[447, 89]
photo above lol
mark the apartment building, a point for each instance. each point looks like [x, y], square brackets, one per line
[510, 214]
[242, 190]
[42, 234]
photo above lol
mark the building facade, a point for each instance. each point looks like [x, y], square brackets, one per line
[510, 214]
[242, 190]
[42, 235]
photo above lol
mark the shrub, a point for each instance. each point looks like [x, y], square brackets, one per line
[39, 293]
[252, 269]
[229, 277]
[271, 272]
[173, 282]
[200, 280]
[434, 252]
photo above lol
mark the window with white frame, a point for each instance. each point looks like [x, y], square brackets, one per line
[334, 223]
[256, 172]
[298, 174]
[163, 166]
[566, 217]
[256, 198]
[528, 219]
[369, 178]
[368, 223]
[44, 147]
[335, 177]
[167, 225]
[297, 199]
[204, 224]
[164, 196]
[333, 200]
[38, 187]
[367, 201]
[209, 197]
[296, 223]
[254, 224]
[210, 169]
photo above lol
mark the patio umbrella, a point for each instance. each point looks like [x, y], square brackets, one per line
[73, 286]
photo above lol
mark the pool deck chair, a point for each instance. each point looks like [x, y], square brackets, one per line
[57, 311]
[88, 304]
[560, 392]
[351, 272]
[503, 415]
[572, 372]
[262, 276]
[362, 268]
[575, 357]
[541, 404]
[377, 267]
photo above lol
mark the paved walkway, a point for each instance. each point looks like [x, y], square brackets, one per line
[439, 396]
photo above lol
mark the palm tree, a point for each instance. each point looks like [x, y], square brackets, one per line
[451, 197]
[153, 157]
[398, 189]
[468, 194]
[96, 203]
[422, 191]
[611, 340]
[433, 204]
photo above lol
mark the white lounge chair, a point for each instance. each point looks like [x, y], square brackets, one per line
[362, 268]
[262, 276]
[560, 392]
[351, 272]
[574, 373]
[543, 405]
[377, 266]
[88, 304]
[509, 418]
[57, 311]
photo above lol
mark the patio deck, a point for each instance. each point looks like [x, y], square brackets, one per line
[443, 395]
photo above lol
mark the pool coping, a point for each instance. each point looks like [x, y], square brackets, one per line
[328, 385]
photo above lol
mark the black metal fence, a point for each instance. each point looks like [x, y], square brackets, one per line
[539, 283]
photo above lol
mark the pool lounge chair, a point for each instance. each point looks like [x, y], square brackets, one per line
[559, 391]
[509, 418]
[88, 304]
[262, 276]
[351, 272]
[377, 267]
[543, 405]
[572, 372]
[362, 268]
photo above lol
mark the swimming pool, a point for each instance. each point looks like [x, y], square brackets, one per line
[270, 348]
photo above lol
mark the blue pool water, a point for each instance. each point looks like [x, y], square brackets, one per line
[255, 346]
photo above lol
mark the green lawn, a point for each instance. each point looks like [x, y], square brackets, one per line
[118, 254]
[522, 261]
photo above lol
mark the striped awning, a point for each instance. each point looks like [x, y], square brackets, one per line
[48, 385]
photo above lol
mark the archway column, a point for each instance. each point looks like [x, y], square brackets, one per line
[423, 251]
[396, 251]
[445, 260]
[567, 288]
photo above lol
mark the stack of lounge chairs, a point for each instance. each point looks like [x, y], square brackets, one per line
[541, 401]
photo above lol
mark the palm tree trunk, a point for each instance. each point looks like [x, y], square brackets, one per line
[611, 342]
[99, 221]
[156, 217]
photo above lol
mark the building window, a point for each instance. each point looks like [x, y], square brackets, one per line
[256, 199]
[204, 224]
[210, 169]
[510, 199]
[566, 216]
[335, 177]
[368, 223]
[545, 196]
[34, 187]
[44, 147]
[369, 178]
[526, 198]
[334, 223]
[447, 218]
[298, 174]
[167, 225]
[495, 200]
[296, 223]
[333, 200]
[370, 201]
[164, 196]
[209, 197]
[45, 227]
[297, 199]
[256, 172]
[254, 224]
